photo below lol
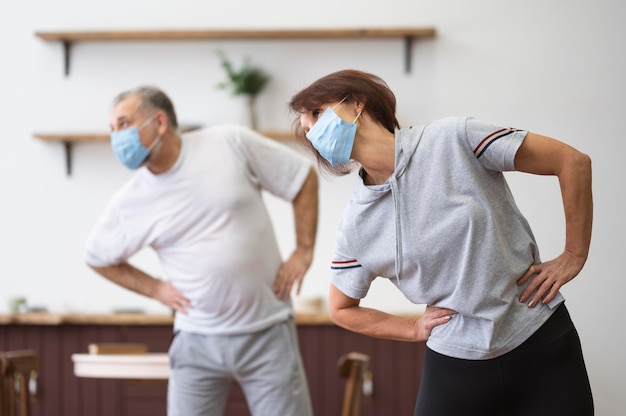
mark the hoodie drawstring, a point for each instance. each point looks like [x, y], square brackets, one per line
[396, 208]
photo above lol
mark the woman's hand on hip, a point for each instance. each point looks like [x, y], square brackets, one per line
[546, 279]
[433, 317]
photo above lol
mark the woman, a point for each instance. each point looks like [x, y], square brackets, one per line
[431, 211]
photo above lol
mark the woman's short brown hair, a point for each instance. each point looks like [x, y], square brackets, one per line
[370, 90]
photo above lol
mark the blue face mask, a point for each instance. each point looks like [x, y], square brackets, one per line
[333, 137]
[127, 146]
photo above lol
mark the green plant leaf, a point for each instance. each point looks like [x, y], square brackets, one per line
[249, 80]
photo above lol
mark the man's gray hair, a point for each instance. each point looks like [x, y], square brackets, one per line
[151, 98]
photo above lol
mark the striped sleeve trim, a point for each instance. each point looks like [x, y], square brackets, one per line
[348, 264]
[489, 140]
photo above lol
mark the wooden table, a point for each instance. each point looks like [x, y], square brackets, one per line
[149, 366]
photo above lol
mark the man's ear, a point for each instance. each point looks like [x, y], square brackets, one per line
[163, 122]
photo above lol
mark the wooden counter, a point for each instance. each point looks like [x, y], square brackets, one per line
[45, 318]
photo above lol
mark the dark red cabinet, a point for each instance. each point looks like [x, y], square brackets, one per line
[396, 368]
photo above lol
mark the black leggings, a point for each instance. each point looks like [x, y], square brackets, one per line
[545, 376]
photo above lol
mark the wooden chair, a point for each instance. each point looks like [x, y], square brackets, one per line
[354, 367]
[18, 378]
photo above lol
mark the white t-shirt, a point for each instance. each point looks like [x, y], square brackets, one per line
[206, 220]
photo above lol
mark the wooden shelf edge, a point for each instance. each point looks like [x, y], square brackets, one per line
[72, 137]
[278, 135]
[84, 137]
[199, 34]
[69, 139]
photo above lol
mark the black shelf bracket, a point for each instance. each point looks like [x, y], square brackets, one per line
[67, 147]
[67, 47]
[408, 51]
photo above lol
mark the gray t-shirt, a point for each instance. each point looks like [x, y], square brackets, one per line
[445, 229]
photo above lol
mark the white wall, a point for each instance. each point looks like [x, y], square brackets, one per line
[556, 68]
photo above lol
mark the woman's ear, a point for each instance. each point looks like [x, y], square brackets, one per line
[359, 105]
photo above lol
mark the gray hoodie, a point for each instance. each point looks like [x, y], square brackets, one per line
[445, 229]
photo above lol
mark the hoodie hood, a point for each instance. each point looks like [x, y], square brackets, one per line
[407, 141]
[406, 144]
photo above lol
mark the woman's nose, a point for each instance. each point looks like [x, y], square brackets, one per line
[305, 123]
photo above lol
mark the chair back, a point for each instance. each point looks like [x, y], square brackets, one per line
[18, 381]
[353, 366]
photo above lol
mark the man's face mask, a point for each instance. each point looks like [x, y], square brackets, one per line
[333, 137]
[128, 148]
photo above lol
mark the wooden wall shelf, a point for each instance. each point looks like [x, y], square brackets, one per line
[67, 38]
[81, 137]
[68, 139]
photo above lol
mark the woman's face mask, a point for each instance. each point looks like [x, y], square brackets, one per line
[333, 137]
[127, 146]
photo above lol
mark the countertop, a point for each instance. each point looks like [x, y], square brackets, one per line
[45, 318]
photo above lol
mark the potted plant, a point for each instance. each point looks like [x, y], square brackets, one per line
[248, 81]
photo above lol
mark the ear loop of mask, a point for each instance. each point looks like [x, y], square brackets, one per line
[344, 99]
[158, 138]
[145, 123]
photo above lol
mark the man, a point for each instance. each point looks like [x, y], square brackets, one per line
[196, 200]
